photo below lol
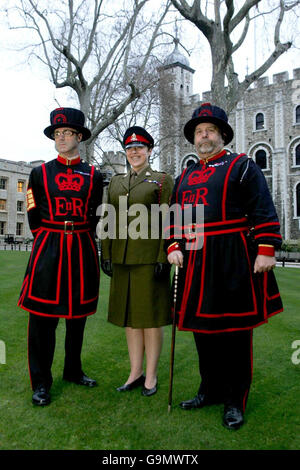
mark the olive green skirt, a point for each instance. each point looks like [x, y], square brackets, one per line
[137, 299]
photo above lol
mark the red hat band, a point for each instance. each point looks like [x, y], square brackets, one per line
[136, 138]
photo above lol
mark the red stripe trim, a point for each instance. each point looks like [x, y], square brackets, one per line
[47, 191]
[68, 161]
[82, 300]
[220, 232]
[173, 247]
[260, 235]
[227, 314]
[224, 196]
[81, 270]
[41, 314]
[57, 230]
[202, 279]
[90, 191]
[266, 224]
[95, 253]
[208, 225]
[188, 281]
[34, 266]
[69, 252]
[220, 331]
[39, 299]
[23, 290]
[61, 222]
[229, 329]
[266, 250]
[213, 224]
[215, 157]
[177, 191]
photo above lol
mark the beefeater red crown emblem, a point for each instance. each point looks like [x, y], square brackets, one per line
[69, 181]
[200, 176]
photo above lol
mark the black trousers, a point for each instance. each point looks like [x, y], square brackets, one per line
[41, 347]
[225, 366]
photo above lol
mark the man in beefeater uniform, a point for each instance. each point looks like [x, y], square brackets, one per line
[226, 286]
[62, 276]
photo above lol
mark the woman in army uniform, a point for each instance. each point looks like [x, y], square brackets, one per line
[140, 285]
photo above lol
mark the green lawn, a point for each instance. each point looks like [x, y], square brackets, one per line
[101, 418]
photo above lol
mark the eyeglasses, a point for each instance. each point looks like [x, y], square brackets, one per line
[65, 133]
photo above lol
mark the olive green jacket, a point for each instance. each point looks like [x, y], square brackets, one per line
[138, 213]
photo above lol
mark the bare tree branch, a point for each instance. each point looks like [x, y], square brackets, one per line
[100, 50]
[219, 35]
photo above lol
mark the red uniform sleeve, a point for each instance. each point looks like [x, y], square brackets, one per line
[259, 206]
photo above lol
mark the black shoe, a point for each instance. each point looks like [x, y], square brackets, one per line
[41, 396]
[199, 401]
[233, 417]
[147, 392]
[136, 383]
[87, 381]
[84, 380]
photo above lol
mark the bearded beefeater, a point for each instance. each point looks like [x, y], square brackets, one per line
[62, 276]
[226, 286]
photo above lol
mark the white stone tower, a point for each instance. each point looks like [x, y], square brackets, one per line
[175, 90]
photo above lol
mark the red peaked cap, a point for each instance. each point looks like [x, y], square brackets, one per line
[137, 137]
[67, 117]
[209, 113]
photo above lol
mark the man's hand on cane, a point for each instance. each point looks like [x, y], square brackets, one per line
[176, 257]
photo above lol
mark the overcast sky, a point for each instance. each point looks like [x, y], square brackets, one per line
[27, 97]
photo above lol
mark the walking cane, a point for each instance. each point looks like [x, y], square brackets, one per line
[173, 339]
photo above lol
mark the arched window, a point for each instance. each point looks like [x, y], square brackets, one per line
[298, 200]
[261, 159]
[259, 121]
[189, 160]
[297, 112]
[297, 155]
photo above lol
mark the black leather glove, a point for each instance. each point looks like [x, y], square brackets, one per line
[162, 270]
[106, 266]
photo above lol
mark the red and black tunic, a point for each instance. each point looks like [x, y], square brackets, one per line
[62, 276]
[217, 289]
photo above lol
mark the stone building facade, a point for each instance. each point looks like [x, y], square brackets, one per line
[13, 186]
[266, 126]
[14, 178]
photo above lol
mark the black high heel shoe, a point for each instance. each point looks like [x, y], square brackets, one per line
[136, 383]
[147, 392]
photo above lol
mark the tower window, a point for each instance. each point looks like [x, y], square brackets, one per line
[259, 121]
[19, 229]
[3, 183]
[298, 200]
[261, 159]
[297, 115]
[297, 155]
